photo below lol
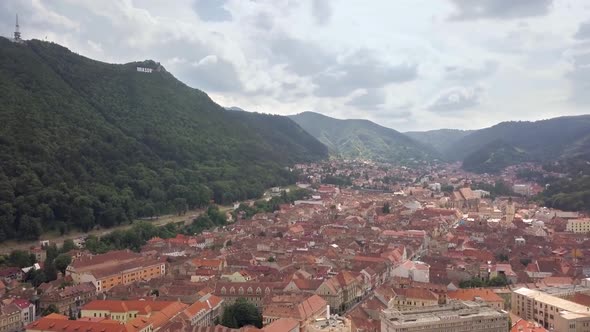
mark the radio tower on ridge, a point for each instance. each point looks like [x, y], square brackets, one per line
[17, 32]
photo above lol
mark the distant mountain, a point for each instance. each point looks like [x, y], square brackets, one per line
[541, 141]
[440, 139]
[363, 139]
[493, 158]
[86, 143]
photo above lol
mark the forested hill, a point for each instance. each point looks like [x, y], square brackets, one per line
[440, 139]
[542, 140]
[86, 143]
[363, 139]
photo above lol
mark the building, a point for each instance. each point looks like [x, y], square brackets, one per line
[408, 298]
[115, 268]
[456, 316]
[464, 199]
[127, 311]
[10, 318]
[578, 225]
[60, 323]
[550, 311]
[204, 312]
[303, 308]
[415, 270]
[68, 300]
[27, 310]
[479, 295]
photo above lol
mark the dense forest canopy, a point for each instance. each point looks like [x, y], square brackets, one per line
[85, 144]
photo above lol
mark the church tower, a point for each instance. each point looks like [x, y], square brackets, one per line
[510, 211]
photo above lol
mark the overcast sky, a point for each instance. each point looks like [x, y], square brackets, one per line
[405, 64]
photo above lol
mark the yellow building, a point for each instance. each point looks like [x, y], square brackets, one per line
[127, 311]
[115, 268]
[408, 298]
[578, 225]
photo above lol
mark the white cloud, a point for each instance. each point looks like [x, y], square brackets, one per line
[400, 63]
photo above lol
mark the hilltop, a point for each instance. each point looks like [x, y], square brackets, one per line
[363, 139]
[86, 143]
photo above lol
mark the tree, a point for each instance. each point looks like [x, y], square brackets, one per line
[51, 309]
[20, 258]
[241, 313]
[386, 208]
[62, 261]
[68, 246]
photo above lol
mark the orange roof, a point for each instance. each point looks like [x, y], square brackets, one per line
[53, 324]
[282, 325]
[473, 293]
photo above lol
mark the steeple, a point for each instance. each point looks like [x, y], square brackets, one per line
[17, 31]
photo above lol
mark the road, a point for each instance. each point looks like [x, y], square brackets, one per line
[7, 246]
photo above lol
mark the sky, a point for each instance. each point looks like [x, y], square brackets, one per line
[405, 64]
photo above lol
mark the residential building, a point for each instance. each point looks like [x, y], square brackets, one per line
[128, 311]
[578, 225]
[204, 312]
[478, 295]
[302, 307]
[115, 268]
[68, 299]
[408, 298]
[10, 318]
[550, 311]
[456, 316]
[27, 310]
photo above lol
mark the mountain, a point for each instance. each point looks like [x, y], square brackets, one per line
[86, 143]
[440, 139]
[493, 158]
[363, 139]
[543, 140]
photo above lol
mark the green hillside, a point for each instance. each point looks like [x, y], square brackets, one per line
[541, 140]
[493, 158]
[363, 139]
[440, 139]
[86, 143]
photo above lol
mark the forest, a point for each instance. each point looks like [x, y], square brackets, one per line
[86, 144]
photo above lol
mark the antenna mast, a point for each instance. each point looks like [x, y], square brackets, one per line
[17, 31]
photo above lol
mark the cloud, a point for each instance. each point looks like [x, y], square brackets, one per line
[361, 70]
[583, 31]
[212, 10]
[456, 99]
[457, 73]
[370, 100]
[301, 57]
[579, 78]
[214, 74]
[321, 11]
[500, 9]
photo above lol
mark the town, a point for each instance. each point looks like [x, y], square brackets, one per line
[362, 246]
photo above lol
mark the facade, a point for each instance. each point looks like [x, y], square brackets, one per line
[127, 311]
[204, 312]
[115, 268]
[454, 317]
[69, 299]
[303, 308]
[550, 311]
[578, 225]
[478, 294]
[10, 318]
[409, 298]
[27, 310]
